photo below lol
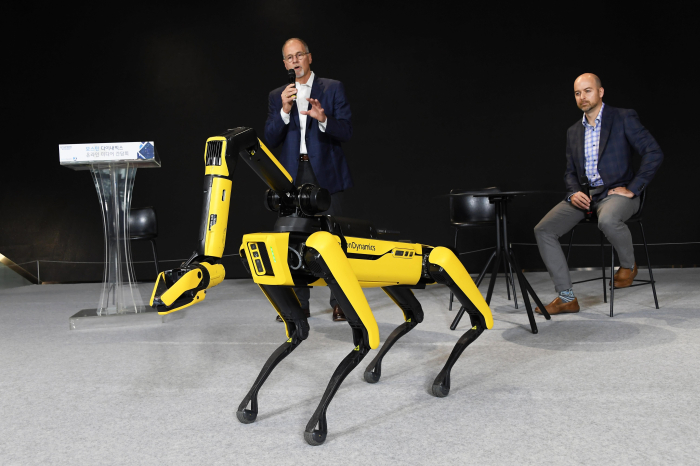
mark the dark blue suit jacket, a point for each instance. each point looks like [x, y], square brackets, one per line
[621, 134]
[323, 148]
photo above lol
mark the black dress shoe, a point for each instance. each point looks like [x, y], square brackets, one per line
[307, 313]
[338, 315]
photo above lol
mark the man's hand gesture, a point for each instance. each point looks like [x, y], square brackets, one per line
[316, 111]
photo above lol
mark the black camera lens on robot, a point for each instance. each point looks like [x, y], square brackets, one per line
[309, 199]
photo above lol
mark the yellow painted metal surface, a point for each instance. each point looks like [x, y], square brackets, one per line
[221, 170]
[447, 260]
[274, 159]
[339, 265]
[219, 202]
[188, 281]
[275, 245]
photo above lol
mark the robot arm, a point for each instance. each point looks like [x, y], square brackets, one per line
[181, 287]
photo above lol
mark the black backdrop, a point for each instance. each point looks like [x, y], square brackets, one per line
[441, 99]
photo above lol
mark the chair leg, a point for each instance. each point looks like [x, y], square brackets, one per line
[483, 271]
[651, 274]
[456, 236]
[511, 280]
[602, 265]
[505, 272]
[612, 278]
[155, 256]
[571, 242]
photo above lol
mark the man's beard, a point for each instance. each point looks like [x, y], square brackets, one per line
[301, 73]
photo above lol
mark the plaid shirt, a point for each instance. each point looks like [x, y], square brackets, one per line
[590, 148]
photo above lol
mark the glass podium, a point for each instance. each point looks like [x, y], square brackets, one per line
[113, 167]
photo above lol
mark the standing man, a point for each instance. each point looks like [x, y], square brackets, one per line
[310, 127]
[598, 148]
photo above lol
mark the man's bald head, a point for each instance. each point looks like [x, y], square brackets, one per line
[588, 92]
[588, 77]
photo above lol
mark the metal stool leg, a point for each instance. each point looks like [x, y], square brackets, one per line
[155, 256]
[505, 272]
[452, 296]
[511, 280]
[651, 275]
[483, 271]
[571, 242]
[602, 265]
[612, 279]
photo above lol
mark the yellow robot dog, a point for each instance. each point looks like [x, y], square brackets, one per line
[315, 250]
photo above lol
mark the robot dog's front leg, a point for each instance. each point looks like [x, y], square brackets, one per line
[181, 287]
[326, 259]
[444, 267]
[286, 303]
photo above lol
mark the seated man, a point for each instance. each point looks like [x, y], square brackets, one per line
[600, 148]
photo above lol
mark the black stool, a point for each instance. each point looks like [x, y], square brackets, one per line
[636, 218]
[143, 225]
[470, 212]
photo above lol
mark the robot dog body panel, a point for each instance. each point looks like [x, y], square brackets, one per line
[384, 264]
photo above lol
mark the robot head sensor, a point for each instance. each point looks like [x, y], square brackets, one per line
[307, 200]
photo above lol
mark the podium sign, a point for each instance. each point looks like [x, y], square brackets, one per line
[83, 156]
[113, 168]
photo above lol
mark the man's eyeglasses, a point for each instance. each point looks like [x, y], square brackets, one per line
[299, 55]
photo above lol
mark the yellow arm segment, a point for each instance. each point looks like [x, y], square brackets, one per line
[217, 219]
[447, 260]
[339, 265]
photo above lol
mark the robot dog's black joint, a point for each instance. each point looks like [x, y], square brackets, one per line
[244, 260]
[329, 224]
[316, 264]
[476, 317]
[439, 274]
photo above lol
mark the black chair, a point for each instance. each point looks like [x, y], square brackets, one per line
[143, 225]
[471, 212]
[636, 218]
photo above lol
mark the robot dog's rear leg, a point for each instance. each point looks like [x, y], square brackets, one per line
[312, 435]
[413, 313]
[441, 385]
[445, 268]
[287, 305]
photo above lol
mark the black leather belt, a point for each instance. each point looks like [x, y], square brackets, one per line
[303, 158]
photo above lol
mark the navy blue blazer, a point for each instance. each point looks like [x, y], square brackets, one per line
[323, 148]
[621, 134]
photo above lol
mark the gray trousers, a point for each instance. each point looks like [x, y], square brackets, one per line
[613, 211]
[305, 174]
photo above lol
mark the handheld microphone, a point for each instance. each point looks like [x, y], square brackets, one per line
[292, 77]
[586, 189]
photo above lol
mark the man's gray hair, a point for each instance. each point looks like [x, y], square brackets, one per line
[306, 47]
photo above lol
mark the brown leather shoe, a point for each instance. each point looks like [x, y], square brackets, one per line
[560, 307]
[338, 315]
[307, 313]
[624, 277]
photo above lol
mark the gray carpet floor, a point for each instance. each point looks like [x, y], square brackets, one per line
[588, 389]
